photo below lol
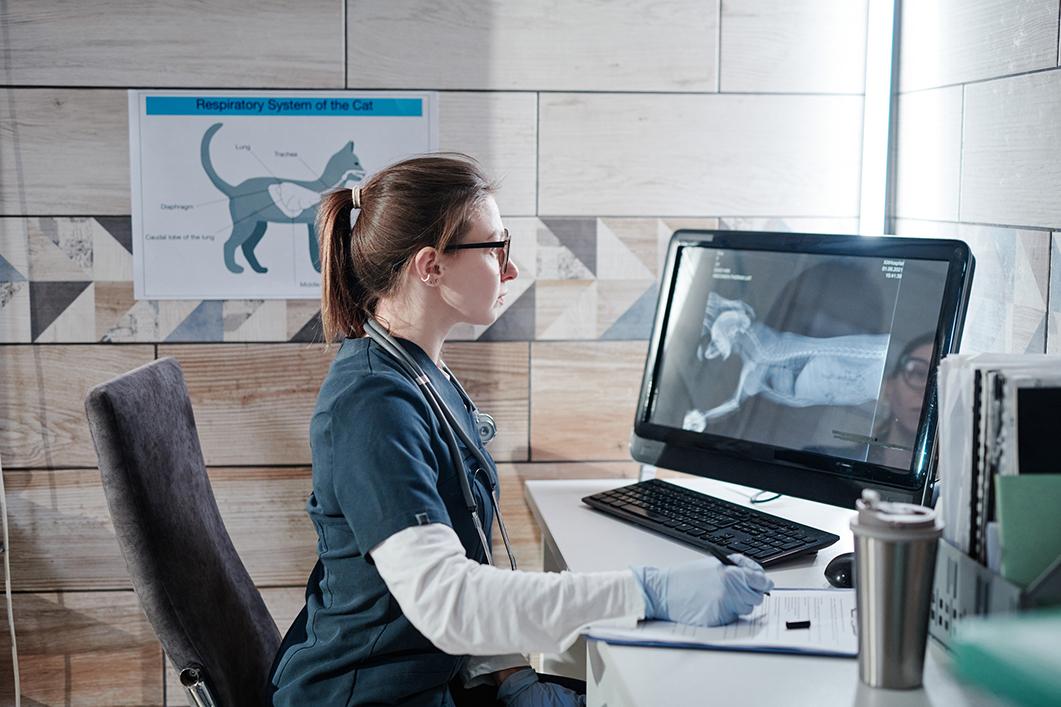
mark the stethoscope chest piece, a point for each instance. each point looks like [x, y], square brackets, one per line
[485, 426]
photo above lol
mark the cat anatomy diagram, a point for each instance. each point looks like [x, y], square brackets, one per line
[226, 187]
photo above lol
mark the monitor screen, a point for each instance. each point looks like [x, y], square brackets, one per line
[817, 356]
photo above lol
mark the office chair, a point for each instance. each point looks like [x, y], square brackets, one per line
[202, 604]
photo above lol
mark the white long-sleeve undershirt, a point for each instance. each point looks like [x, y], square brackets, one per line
[466, 608]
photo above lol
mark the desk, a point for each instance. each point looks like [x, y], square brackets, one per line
[578, 538]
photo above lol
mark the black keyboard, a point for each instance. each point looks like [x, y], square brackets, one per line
[710, 523]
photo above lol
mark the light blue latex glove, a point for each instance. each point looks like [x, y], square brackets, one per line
[522, 689]
[703, 592]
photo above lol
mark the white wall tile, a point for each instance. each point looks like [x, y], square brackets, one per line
[670, 155]
[597, 45]
[501, 131]
[1011, 155]
[954, 41]
[928, 159]
[64, 151]
[210, 43]
[793, 46]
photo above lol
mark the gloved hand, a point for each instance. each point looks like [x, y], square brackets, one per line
[522, 689]
[703, 592]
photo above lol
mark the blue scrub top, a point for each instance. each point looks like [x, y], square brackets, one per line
[380, 465]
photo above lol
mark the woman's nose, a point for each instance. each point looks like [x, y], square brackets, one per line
[511, 271]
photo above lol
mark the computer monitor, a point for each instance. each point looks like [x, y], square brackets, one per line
[803, 364]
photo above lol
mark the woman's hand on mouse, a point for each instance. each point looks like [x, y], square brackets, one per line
[523, 689]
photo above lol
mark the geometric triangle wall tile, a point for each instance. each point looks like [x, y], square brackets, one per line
[312, 332]
[1031, 271]
[299, 314]
[639, 237]
[203, 324]
[268, 322]
[75, 323]
[555, 259]
[8, 273]
[110, 260]
[235, 312]
[120, 229]
[15, 313]
[524, 251]
[14, 243]
[615, 261]
[615, 298]
[517, 322]
[636, 322]
[566, 309]
[48, 262]
[171, 314]
[72, 236]
[48, 300]
[121, 318]
[578, 235]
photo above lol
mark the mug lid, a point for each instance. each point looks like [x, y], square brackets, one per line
[873, 513]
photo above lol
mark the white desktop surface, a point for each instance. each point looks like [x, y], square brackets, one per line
[583, 540]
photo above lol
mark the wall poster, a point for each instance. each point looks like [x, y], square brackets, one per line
[225, 185]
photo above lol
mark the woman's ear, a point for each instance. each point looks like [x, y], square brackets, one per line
[426, 265]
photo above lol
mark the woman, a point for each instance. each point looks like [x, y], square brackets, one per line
[402, 593]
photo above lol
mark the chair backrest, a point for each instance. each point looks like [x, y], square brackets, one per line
[191, 583]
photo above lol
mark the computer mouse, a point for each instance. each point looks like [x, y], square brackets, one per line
[840, 572]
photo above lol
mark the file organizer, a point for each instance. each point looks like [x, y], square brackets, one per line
[963, 587]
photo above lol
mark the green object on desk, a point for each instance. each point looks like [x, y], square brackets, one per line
[1029, 524]
[1014, 655]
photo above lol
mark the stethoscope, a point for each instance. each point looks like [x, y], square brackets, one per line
[484, 426]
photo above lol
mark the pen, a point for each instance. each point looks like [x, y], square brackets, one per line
[724, 559]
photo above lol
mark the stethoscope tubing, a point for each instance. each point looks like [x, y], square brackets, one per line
[449, 425]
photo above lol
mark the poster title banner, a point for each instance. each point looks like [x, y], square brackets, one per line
[290, 106]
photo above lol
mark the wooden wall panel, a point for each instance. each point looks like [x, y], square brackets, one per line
[928, 158]
[583, 396]
[61, 532]
[83, 648]
[42, 395]
[64, 151]
[265, 514]
[955, 41]
[217, 43]
[593, 45]
[253, 402]
[674, 155]
[522, 528]
[283, 603]
[62, 536]
[781, 46]
[497, 377]
[1011, 158]
[501, 131]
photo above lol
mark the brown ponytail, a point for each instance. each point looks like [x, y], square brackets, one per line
[419, 202]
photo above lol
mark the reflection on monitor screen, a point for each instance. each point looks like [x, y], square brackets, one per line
[809, 352]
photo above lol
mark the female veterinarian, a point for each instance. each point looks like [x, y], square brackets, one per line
[404, 605]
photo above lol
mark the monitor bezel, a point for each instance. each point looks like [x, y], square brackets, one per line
[810, 475]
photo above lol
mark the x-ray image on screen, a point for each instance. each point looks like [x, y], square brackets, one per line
[799, 351]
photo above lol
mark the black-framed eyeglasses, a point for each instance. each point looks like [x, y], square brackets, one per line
[914, 371]
[502, 256]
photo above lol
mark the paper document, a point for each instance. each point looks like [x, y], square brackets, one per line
[832, 630]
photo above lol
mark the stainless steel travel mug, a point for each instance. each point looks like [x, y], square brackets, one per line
[895, 560]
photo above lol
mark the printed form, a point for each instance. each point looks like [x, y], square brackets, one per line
[832, 631]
